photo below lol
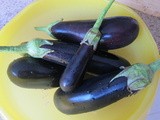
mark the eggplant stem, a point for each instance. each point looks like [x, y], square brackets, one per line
[47, 29]
[32, 48]
[155, 66]
[102, 15]
[14, 49]
[139, 76]
[93, 35]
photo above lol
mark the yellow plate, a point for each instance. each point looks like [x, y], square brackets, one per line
[37, 104]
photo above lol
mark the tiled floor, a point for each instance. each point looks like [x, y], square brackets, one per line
[9, 8]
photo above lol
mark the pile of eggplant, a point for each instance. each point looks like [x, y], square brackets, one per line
[88, 77]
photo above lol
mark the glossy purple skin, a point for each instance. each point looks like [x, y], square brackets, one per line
[93, 94]
[76, 68]
[29, 72]
[117, 32]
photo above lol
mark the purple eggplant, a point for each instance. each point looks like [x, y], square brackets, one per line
[29, 72]
[93, 94]
[75, 70]
[117, 32]
[98, 92]
[101, 63]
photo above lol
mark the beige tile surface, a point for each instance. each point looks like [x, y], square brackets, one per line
[153, 24]
[9, 8]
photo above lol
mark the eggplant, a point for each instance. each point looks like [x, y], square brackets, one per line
[93, 94]
[76, 68]
[101, 63]
[29, 72]
[101, 91]
[61, 53]
[117, 32]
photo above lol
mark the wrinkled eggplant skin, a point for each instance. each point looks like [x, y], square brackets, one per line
[93, 94]
[34, 73]
[101, 63]
[117, 32]
[76, 68]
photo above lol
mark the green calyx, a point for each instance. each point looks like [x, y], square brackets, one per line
[138, 75]
[47, 29]
[32, 48]
[92, 38]
[93, 35]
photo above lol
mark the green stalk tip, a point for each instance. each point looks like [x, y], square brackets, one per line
[155, 66]
[102, 15]
[47, 29]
